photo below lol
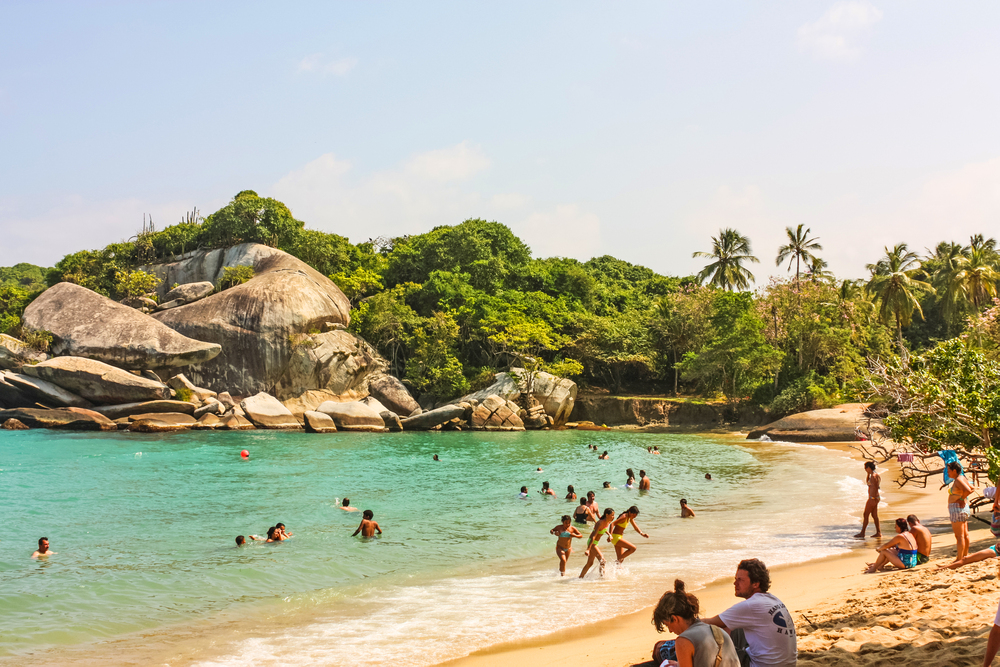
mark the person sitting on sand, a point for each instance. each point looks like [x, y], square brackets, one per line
[603, 457]
[592, 551]
[346, 506]
[761, 627]
[975, 557]
[43, 548]
[240, 540]
[624, 548]
[368, 526]
[546, 491]
[583, 515]
[900, 551]
[958, 508]
[686, 512]
[570, 493]
[643, 481]
[923, 538]
[697, 644]
[524, 492]
[873, 480]
[274, 535]
[564, 545]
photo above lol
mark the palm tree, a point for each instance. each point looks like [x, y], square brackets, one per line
[799, 248]
[729, 250]
[818, 270]
[977, 277]
[892, 286]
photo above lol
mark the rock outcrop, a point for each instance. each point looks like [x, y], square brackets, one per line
[85, 324]
[145, 407]
[14, 425]
[496, 414]
[318, 422]
[60, 418]
[352, 416]
[556, 395]
[14, 353]
[273, 329]
[45, 392]
[392, 393]
[11, 396]
[265, 411]
[100, 382]
[837, 424]
[189, 292]
[425, 421]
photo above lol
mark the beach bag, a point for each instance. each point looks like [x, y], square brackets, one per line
[720, 640]
[664, 651]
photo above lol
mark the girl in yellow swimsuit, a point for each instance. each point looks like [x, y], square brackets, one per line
[624, 548]
[592, 552]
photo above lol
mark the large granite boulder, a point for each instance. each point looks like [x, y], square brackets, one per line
[496, 414]
[85, 324]
[144, 407]
[318, 422]
[14, 425]
[392, 394]
[840, 423]
[97, 381]
[14, 353]
[265, 411]
[352, 416]
[11, 396]
[436, 417]
[557, 395]
[61, 418]
[274, 329]
[190, 292]
[45, 392]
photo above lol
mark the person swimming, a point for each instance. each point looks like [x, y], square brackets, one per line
[546, 491]
[603, 457]
[643, 481]
[629, 479]
[607, 485]
[624, 548]
[592, 504]
[583, 513]
[284, 533]
[240, 540]
[274, 534]
[564, 545]
[593, 552]
[570, 493]
[346, 506]
[368, 525]
[524, 492]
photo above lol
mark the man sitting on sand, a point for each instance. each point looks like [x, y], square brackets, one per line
[760, 626]
[368, 527]
[923, 537]
[43, 548]
[686, 512]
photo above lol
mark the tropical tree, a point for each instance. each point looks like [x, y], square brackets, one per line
[893, 286]
[730, 250]
[819, 270]
[976, 276]
[799, 249]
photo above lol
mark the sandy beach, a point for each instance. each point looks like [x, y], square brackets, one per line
[922, 616]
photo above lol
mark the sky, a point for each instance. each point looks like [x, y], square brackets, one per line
[635, 129]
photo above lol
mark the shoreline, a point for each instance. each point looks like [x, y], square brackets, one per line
[803, 587]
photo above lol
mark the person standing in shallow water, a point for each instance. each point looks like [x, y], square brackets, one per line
[546, 491]
[643, 481]
[368, 525]
[43, 548]
[592, 551]
[873, 481]
[624, 548]
[564, 545]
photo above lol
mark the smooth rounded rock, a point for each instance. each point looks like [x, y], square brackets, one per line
[97, 381]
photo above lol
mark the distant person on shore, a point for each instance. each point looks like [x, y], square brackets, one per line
[643, 481]
[603, 457]
[564, 545]
[873, 480]
[923, 538]
[240, 540]
[761, 627]
[43, 548]
[368, 526]
[686, 512]
[592, 504]
[346, 506]
[583, 515]
[570, 493]
[624, 548]
[958, 508]
[593, 552]
[524, 492]
[546, 491]
[900, 551]
[708, 476]
[284, 533]
[698, 644]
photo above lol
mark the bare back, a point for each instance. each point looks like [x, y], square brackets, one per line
[923, 538]
[874, 481]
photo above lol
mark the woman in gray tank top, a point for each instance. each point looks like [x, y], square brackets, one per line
[698, 644]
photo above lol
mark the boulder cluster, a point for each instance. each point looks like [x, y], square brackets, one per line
[271, 353]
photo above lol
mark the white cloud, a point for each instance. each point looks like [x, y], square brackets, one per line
[563, 231]
[456, 163]
[837, 34]
[315, 63]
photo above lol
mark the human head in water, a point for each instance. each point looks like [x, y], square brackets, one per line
[346, 503]
[607, 485]
[240, 540]
[545, 486]
[368, 514]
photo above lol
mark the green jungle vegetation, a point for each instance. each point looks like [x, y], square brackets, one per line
[450, 307]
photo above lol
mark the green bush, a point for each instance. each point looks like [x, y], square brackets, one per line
[810, 392]
[133, 284]
[36, 339]
[234, 275]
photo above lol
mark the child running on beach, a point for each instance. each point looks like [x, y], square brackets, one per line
[564, 545]
[624, 548]
[368, 527]
[592, 552]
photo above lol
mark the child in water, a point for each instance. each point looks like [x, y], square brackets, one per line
[368, 527]
[564, 545]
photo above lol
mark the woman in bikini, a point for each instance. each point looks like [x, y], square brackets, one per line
[900, 551]
[564, 545]
[624, 548]
[583, 515]
[871, 505]
[593, 552]
[570, 493]
[958, 508]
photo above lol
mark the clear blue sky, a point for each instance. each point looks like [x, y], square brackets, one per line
[631, 129]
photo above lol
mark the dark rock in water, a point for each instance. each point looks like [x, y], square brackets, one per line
[318, 422]
[61, 418]
[352, 416]
[14, 353]
[392, 394]
[44, 391]
[14, 425]
[98, 381]
[146, 407]
[85, 324]
[391, 420]
[265, 411]
[431, 418]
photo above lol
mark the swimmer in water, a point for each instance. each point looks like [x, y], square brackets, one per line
[629, 478]
[240, 540]
[43, 548]
[708, 476]
[603, 457]
[546, 491]
[583, 513]
[656, 449]
[524, 492]
[570, 493]
[607, 485]
[643, 481]
[593, 552]
[368, 526]
[284, 533]
[436, 458]
[564, 545]
[346, 506]
[686, 512]
[274, 535]
[624, 548]
[539, 469]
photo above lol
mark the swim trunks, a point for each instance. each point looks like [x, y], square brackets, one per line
[958, 514]
[921, 559]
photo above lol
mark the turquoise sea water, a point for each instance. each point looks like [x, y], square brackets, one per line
[144, 529]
